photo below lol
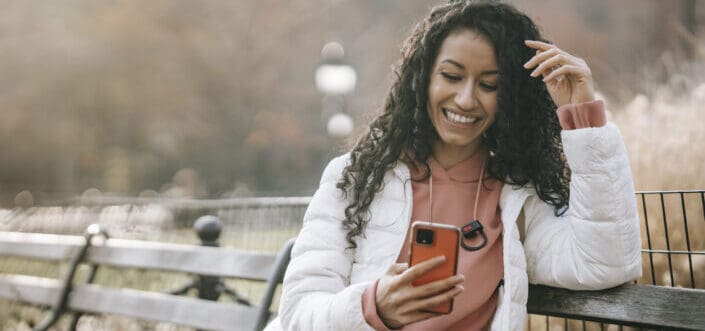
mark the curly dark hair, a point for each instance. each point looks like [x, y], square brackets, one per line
[524, 141]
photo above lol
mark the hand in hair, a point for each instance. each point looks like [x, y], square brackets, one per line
[568, 78]
[400, 303]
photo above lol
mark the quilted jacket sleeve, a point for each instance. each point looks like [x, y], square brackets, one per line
[596, 243]
[316, 293]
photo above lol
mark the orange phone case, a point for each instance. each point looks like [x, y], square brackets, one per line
[445, 242]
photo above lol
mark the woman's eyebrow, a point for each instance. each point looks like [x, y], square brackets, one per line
[457, 64]
[490, 72]
[454, 63]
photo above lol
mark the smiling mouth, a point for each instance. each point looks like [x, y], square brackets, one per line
[459, 119]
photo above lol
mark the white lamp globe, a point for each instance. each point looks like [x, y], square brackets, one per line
[340, 125]
[335, 78]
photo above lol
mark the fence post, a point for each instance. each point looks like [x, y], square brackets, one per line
[208, 228]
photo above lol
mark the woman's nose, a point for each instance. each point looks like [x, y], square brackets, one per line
[465, 97]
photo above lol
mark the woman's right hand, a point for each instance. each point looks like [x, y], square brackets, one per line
[399, 303]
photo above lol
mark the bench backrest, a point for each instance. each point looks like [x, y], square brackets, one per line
[199, 260]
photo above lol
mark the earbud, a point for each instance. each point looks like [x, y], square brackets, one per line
[470, 231]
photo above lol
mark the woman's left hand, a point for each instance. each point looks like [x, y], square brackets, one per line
[568, 78]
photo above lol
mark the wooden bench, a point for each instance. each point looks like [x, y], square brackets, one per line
[213, 262]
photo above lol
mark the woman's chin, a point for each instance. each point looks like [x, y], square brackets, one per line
[459, 142]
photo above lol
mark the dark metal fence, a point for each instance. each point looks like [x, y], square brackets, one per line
[672, 231]
[673, 249]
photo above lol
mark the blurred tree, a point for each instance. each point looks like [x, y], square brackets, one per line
[122, 95]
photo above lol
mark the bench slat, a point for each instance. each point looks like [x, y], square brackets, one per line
[210, 261]
[642, 306]
[187, 311]
[39, 245]
[30, 289]
[153, 306]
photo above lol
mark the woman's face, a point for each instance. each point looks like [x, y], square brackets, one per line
[462, 93]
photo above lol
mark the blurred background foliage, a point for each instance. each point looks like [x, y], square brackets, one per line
[213, 99]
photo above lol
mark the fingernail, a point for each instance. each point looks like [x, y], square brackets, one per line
[533, 73]
[526, 65]
[460, 288]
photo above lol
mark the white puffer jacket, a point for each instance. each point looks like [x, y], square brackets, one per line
[594, 245]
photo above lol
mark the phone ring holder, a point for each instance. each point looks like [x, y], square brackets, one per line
[470, 231]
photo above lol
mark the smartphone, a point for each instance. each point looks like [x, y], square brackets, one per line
[429, 240]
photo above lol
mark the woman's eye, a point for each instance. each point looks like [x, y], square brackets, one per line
[488, 87]
[450, 77]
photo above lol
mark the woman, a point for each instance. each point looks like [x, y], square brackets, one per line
[473, 113]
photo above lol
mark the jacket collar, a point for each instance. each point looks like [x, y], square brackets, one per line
[401, 170]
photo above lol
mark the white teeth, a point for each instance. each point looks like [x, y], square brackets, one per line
[453, 117]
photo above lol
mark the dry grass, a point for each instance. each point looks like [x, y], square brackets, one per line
[665, 137]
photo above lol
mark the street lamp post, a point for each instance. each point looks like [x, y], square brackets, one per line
[335, 79]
